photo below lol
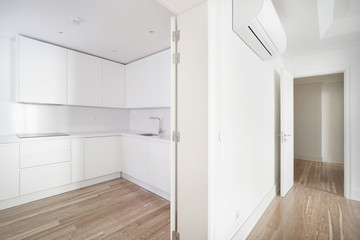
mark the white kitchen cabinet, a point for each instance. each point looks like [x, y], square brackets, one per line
[39, 178]
[9, 171]
[148, 81]
[37, 153]
[84, 79]
[113, 84]
[158, 165]
[100, 156]
[41, 72]
[133, 157]
[77, 160]
[163, 81]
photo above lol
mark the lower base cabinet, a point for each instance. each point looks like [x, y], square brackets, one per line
[39, 178]
[9, 171]
[77, 160]
[158, 165]
[101, 157]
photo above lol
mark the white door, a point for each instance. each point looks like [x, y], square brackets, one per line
[287, 132]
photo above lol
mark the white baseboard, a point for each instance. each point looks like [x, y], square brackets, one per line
[333, 160]
[251, 221]
[309, 158]
[147, 187]
[12, 202]
[355, 195]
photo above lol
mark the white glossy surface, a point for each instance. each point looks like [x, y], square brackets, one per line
[42, 72]
[77, 160]
[44, 177]
[148, 81]
[9, 171]
[113, 84]
[134, 157]
[100, 156]
[84, 79]
[158, 165]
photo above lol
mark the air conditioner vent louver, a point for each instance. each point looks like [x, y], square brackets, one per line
[257, 24]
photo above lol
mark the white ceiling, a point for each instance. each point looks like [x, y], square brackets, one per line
[180, 6]
[300, 19]
[112, 29]
[330, 78]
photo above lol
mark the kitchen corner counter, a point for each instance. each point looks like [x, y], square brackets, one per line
[8, 139]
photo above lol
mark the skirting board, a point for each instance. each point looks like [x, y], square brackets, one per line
[355, 195]
[250, 223]
[54, 191]
[147, 186]
[309, 158]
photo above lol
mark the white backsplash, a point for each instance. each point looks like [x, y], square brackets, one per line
[140, 119]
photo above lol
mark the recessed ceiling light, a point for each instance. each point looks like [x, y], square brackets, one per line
[151, 31]
[75, 20]
[114, 50]
[60, 32]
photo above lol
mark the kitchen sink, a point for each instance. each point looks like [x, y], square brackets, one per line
[148, 134]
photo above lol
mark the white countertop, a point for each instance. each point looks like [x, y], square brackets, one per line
[129, 133]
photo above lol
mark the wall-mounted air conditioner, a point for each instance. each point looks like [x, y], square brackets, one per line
[258, 25]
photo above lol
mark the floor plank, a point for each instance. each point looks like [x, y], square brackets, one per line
[116, 209]
[320, 175]
[313, 209]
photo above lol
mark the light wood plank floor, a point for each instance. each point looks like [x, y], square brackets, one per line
[308, 211]
[320, 175]
[116, 209]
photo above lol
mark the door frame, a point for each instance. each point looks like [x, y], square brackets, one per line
[346, 71]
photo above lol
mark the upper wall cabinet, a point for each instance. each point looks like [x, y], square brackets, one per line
[41, 72]
[148, 81]
[84, 79]
[113, 84]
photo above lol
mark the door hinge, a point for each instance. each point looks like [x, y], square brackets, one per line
[175, 235]
[176, 36]
[176, 58]
[176, 136]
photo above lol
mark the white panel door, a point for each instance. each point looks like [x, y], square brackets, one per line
[42, 72]
[287, 132]
[158, 162]
[100, 156]
[77, 160]
[84, 79]
[113, 82]
[133, 156]
[9, 171]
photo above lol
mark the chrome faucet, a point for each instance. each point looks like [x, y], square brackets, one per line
[161, 130]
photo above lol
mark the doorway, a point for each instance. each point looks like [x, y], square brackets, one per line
[319, 132]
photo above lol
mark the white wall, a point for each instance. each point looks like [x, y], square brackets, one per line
[246, 172]
[139, 120]
[307, 122]
[346, 58]
[333, 122]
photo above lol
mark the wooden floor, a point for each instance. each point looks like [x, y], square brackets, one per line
[116, 209]
[313, 209]
[320, 175]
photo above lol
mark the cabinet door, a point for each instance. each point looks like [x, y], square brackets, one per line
[140, 76]
[84, 79]
[44, 177]
[113, 84]
[100, 156]
[9, 171]
[77, 160]
[163, 87]
[159, 165]
[42, 72]
[133, 156]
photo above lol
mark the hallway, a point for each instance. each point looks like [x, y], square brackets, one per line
[313, 209]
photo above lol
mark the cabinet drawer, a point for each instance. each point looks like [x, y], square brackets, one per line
[28, 149]
[44, 177]
[45, 158]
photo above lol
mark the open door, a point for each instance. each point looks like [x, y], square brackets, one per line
[287, 132]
